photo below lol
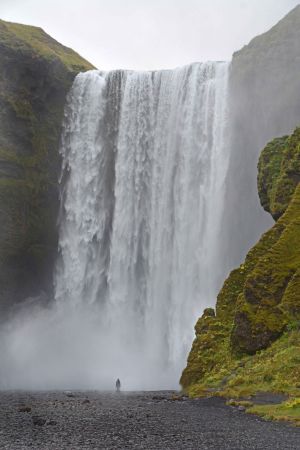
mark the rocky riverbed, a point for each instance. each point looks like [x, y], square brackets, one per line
[133, 420]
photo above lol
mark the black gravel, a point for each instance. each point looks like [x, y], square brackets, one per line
[141, 420]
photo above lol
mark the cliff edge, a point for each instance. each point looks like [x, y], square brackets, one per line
[36, 73]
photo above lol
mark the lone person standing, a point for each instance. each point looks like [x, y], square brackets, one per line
[118, 385]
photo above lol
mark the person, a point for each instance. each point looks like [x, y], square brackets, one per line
[118, 385]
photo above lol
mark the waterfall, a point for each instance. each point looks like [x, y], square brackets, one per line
[145, 156]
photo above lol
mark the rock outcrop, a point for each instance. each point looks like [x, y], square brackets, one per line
[278, 173]
[35, 75]
[260, 301]
[264, 102]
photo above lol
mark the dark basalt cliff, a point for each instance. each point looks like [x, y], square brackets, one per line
[36, 72]
[258, 308]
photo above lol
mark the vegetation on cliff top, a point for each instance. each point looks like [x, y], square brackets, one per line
[36, 73]
[252, 342]
[264, 46]
[24, 38]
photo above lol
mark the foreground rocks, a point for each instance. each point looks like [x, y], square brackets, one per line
[152, 420]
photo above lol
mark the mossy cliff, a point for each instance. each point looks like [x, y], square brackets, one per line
[252, 341]
[279, 173]
[264, 101]
[36, 72]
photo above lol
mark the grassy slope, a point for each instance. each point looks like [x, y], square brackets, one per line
[35, 40]
[252, 343]
[288, 411]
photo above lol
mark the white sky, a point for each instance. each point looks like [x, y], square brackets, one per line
[149, 34]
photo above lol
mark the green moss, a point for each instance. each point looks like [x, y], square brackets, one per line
[269, 168]
[253, 342]
[210, 351]
[245, 403]
[24, 37]
[275, 369]
[268, 302]
[288, 411]
[36, 73]
[279, 173]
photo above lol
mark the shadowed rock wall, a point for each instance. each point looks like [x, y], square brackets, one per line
[35, 75]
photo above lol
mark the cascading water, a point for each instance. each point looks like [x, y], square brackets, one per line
[144, 164]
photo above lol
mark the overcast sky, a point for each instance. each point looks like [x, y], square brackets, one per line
[149, 34]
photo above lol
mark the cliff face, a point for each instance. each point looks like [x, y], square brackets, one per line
[264, 102]
[278, 173]
[35, 75]
[258, 308]
[252, 341]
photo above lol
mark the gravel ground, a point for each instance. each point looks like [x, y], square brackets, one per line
[133, 420]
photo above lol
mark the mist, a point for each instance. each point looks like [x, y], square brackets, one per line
[52, 348]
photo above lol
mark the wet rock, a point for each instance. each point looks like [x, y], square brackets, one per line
[158, 398]
[51, 422]
[40, 421]
[25, 409]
